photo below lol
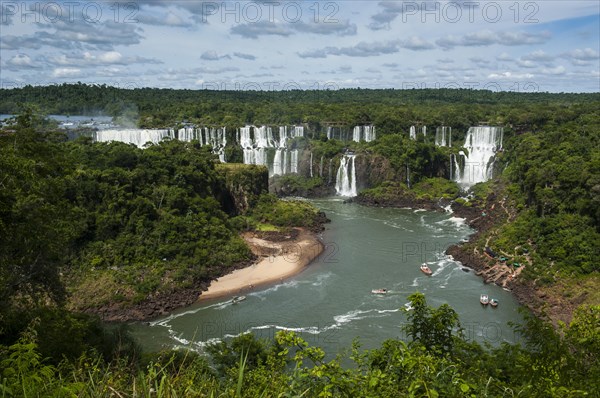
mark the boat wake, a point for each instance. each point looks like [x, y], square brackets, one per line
[262, 294]
[165, 321]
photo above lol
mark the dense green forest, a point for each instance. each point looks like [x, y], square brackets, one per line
[115, 224]
[86, 224]
[392, 111]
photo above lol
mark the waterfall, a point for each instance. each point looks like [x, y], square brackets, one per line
[311, 165]
[443, 136]
[248, 156]
[337, 133]
[298, 131]
[278, 163]
[244, 138]
[216, 138]
[413, 133]
[262, 146]
[283, 136]
[223, 145]
[345, 184]
[256, 142]
[294, 161]
[329, 177]
[454, 172]
[260, 156]
[188, 134]
[369, 133]
[138, 137]
[482, 142]
[321, 168]
[261, 137]
[363, 133]
[356, 134]
[424, 130]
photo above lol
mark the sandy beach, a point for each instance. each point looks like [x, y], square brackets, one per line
[277, 261]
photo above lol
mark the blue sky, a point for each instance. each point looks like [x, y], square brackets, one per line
[271, 45]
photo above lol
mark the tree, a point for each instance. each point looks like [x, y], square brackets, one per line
[433, 328]
[34, 217]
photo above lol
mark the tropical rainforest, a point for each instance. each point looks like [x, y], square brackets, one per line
[87, 225]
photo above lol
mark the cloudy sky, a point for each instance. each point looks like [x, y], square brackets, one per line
[272, 45]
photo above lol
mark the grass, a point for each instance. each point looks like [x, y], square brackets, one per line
[581, 288]
[266, 227]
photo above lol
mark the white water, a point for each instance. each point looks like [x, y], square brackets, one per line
[363, 133]
[321, 168]
[278, 165]
[413, 132]
[138, 137]
[345, 183]
[216, 138]
[482, 142]
[258, 142]
[443, 136]
[294, 161]
[298, 131]
[356, 134]
[454, 173]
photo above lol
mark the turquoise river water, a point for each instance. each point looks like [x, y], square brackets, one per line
[330, 303]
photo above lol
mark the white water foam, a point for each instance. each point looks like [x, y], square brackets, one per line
[322, 279]
[458, 222]
[164, 322]
[263, 293]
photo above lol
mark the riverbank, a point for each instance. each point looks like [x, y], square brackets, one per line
[486, 215]
[280, 257]
[555, 302]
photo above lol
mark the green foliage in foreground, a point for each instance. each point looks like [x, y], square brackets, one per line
[437, 362]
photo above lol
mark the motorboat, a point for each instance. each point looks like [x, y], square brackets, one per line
[484, 299]
[237, 299]
[379, 291]
[426, 270]
[494, 303]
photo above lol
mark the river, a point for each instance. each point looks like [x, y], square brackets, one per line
[330, 303]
